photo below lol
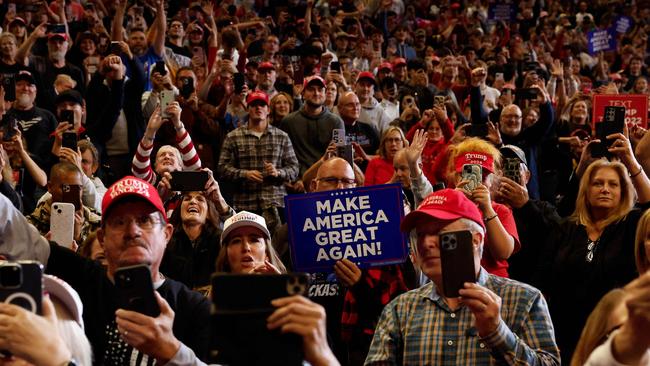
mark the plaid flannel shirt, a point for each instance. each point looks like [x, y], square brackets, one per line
[243, 151]
[418, 328]
[364, 302]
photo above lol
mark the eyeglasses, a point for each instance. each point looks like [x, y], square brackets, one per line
[144, 222]
[334, 181]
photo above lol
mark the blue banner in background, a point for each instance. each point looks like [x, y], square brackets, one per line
[623, 24]
[601, 40]
[360, 224]
[502, 10]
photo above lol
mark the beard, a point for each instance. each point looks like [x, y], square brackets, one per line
[24, 100]
[57, 55]
[313, 104]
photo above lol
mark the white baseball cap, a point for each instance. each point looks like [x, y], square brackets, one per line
[64, 293]
[244, 218]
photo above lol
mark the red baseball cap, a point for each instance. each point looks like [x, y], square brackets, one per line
[399, 61]
[445, 204]
[265, 66]
[486, 161]
[57, 35]
[385, 65]
[312, 79]
[257, 95]
[130, 186]
[367, 75]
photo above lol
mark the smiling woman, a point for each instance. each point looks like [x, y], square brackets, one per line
[192, 251]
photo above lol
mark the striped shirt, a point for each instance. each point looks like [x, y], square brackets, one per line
[141, 164]
[243, 151]
[418, 328]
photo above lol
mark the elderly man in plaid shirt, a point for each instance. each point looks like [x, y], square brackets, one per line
[261, 159]
[493, 321]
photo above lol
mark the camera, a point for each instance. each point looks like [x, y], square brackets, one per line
[297, 285]
[11, 275]
[449, 242]
[21, 284]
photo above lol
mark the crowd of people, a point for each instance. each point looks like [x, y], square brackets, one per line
[270, 98]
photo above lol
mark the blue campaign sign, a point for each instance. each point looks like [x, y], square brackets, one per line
[601, 40]
[502, 10]
[360, 224]
[623, 24]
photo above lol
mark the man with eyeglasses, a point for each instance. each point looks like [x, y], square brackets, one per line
[511, 131]
[134, 230]
[490, 320]
[362, 136]
[64, 176]
[353, 313]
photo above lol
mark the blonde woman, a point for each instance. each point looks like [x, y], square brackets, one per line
[592, 251]
[608, 315]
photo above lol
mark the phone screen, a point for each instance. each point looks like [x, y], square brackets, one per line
[9, 124]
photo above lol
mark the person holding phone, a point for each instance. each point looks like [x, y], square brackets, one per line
[190, 257]
[592, 251]
[494, 318]
[65, 185]
[134, 231]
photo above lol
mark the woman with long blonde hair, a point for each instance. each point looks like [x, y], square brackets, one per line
[592, 251]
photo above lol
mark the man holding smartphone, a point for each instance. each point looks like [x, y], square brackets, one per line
[494, 319]
[134, 230]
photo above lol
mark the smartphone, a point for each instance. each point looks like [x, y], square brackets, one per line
[9, 125]
[526, 93]
[511, 169]
[338, 136]
[335, 66]
[116, 48]
[409, 102]
[240, 334]
[135, 290]
[55, 28]
[93, 60]
[613, 122]
[438, 186]
[456, 261]
[21, 284]
[71, 193]
[160, 68]
[69, 140]
[478, 130]
[439, 100]
[189, 181]
[474, 174]
[11, 8]
[62, 223]
[67, 115]
[187, 87]
[166, 97]
[9, 87]
[346, 152]
[238, 81]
